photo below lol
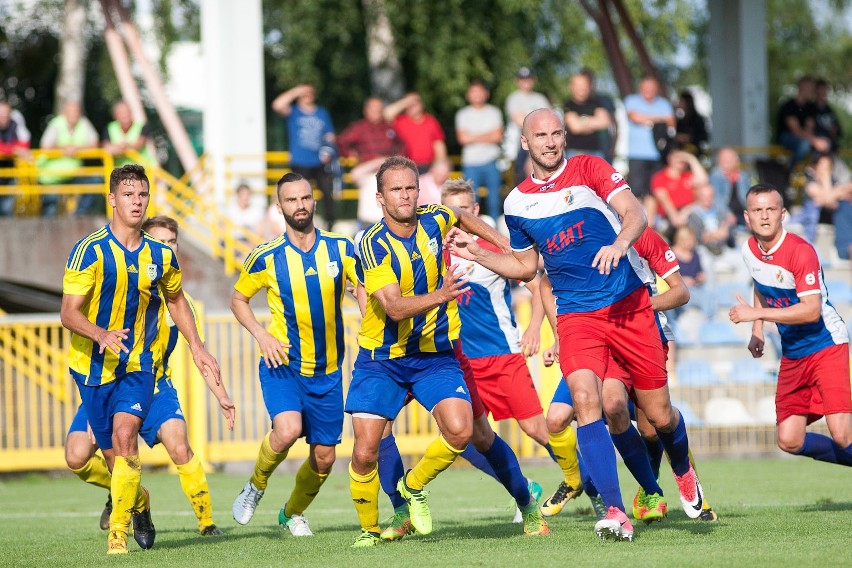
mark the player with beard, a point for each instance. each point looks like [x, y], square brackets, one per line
[304, 272]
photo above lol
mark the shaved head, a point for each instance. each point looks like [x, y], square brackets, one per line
[535, 116]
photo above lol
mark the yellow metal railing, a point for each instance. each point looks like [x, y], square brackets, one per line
[38, 399]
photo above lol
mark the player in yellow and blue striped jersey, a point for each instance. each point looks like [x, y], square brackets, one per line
[304, 272]
[115, 282]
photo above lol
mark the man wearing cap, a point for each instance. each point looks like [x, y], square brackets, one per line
[519, 103]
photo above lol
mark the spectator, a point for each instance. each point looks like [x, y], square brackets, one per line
[479, 130]
[691, 127]
[826, 123]
[684, 248]
[432, 182]
[246, 215]
[585, 117]
[519, 104]
[420, 131]
[646, 112]
[711, 228]
[124, 133]
[69, 132]
[311, 135]
[11, 145]
[730, 184]
[795, 124]
[370, 141]
[672, 187]
[829, 183]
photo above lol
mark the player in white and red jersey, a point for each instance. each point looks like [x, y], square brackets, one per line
[496, 351]
[568, 211]
[813, 380]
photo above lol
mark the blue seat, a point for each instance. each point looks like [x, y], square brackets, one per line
[696, 373]
[839, 292]
[718, 333]
[689, 416]
[747, 370]
[726, 293]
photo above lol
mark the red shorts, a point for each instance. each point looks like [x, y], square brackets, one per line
[626, 331]
[475, 401]
[815, 385]
[506, 386]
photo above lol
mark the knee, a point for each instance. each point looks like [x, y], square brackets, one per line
[537, 432]
[364, 459]
[558, 420]
[617, 415]
[662, 419]
[842, 439]
[124, 436]
[791, 442]
[283, 437]
[458, 432]
[324, 460]
[76, 456]
[180, 453]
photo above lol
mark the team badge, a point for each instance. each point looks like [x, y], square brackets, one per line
[569, 197]
[779, 276]
[152, 271]
[433, 246]
[332, 268]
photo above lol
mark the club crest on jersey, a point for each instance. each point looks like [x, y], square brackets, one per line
[433, 246]
[569, 197]
[332, 268]
[151, 271]
[779, 276]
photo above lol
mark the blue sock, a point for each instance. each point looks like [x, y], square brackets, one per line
[655, 454]
[629, 445]
[550, 452]
[823, 448]
[508, 470]
[390, 470]
[594, 442]
[478, 461]
[676, 444]
[588, 484]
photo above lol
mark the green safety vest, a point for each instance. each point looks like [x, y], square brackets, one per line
[117, 135]
[59, 170]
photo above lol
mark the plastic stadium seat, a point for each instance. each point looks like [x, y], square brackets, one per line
[766, 410]
[718, 333]
[727, 411]
[747, 370]
[696, 373]
[689, 415]
[839, 292]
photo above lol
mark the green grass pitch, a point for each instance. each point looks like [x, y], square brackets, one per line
[792, 512]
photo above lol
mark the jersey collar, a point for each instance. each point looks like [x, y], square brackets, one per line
[555, 175]
[774, 248]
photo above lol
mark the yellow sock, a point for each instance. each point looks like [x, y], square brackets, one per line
[126, 475]
[193, 481]
[438, 457]
[365, 496]
[564, 446]
[308, 483]
[95, 471]
[267, 461]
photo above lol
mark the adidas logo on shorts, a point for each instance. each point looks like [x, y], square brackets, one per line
[137, 407]
[461, 390]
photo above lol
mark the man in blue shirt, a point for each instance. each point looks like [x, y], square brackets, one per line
[311, 135]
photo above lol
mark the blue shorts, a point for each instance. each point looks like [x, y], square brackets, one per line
[164, 407]
[380, 386]
[318, 399]
[132, 394]
[563, 395]
[78, 424]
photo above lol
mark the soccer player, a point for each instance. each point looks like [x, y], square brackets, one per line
[304, 272]
[569, 212]
[115, 283]
[165, 421]
[496, 352]
[789, 290]
[406, 345]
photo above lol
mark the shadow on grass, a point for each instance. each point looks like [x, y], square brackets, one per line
[179, 538]
[823, 505]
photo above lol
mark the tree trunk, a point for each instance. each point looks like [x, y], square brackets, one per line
[385, 70]
[121, 65]
[609, 37]
[70, 85]
[627, 23]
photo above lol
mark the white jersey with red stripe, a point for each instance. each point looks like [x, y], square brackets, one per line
[567, 217]
[656, 259]
[783, 275]
[488, 324]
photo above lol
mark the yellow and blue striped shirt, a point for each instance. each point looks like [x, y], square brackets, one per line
[168, 338]
[122, 289]
[304, 292]
[417, 264]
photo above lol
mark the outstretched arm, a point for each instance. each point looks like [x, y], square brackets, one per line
[516, 265]
[399, 307]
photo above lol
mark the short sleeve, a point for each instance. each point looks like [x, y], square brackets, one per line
[171, 280]
[518, 238]
[81, 270]
[806, 271]
[654, 249]
[437, 131]
[378, 272]
[352, 264]
[449, 219]
[253, 275]
[600, 176]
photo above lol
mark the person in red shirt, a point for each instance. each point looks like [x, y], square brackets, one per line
[672, 187]
[419, 130]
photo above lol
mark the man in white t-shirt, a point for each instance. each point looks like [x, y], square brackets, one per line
[520, 103]
[246, 215]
